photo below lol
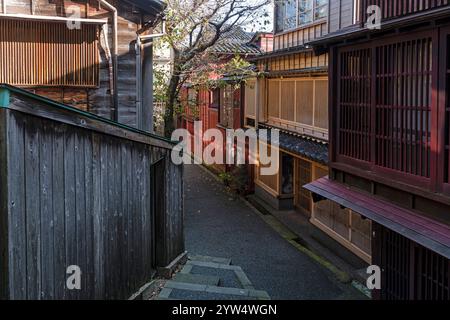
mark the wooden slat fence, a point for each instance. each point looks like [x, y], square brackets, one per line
[49, 52]
[78, 190]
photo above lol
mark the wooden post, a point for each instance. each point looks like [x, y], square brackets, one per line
[257, 103]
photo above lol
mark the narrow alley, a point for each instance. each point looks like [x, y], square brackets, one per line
[220, 224]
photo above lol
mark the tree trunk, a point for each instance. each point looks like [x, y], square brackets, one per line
[169, 115]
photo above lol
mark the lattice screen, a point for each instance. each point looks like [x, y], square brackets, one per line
[354, 105]
[390, 127]
[403, 106]
[34, 53]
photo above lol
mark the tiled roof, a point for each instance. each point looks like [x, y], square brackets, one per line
[304, 146]
[236, 41]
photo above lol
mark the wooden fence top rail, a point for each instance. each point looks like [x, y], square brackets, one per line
[14, 98]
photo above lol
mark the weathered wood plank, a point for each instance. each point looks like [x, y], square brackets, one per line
[70, 205]
[89, 272]
[46, 210]
[32, 208]
[58, 210]
[4, 232]
[17, 210]
[98, 171]
[80, 210]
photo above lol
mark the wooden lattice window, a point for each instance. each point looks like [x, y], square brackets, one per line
[355, 103]
[385, 107]
[403, 106]
[447, 109]
[409, 270]
[40, 53]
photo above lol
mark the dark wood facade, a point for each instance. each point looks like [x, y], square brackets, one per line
[80, 190]
[84, 67]
[389, 133]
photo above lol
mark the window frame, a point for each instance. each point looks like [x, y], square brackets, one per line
[431, 183]
[283, 18]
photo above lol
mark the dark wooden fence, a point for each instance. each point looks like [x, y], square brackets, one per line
[80, 190]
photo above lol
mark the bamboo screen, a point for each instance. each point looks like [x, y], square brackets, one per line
[321, 104]
[304, 101]
[304, 104]
[37, 53]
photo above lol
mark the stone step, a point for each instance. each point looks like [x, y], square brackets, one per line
[212, 265]
[190, 291]
[209, 259]
[222, 271]
[197, 279]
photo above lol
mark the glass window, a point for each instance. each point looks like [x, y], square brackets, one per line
[290, 20]
[320, 9]
[305, 11]
[292, 13]
[215, 103]
[279, 16]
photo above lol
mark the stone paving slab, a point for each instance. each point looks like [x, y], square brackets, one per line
[213, 265]
[199, 292]
[225, 261]
[228, 278]
[209, 280]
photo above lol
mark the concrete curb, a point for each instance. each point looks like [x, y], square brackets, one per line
[146, 291]
[167, 272]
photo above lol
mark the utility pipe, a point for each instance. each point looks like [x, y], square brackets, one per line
[115, 55]
[139, 83]
[257, 103]
[144, 78]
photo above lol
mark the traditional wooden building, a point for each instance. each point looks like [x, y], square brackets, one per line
[219, 104]
[292, 96]
[95, 55]
[389, 138]
[80, 191]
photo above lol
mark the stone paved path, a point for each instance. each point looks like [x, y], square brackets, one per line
[209, 278]
[218, 224]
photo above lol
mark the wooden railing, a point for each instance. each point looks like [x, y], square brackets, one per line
[399, 8]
